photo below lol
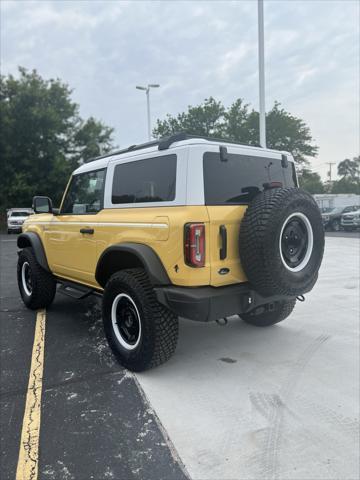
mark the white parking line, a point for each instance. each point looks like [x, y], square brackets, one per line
[27, 467]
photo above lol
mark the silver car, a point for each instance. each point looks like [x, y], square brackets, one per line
[351, 221]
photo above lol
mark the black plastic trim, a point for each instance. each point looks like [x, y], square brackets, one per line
[32, 239]
[205, 304]
[223, 236]
[145, 255]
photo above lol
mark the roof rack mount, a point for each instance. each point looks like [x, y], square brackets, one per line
[165, 143]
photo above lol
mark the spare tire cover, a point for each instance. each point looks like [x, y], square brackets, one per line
[282, 242]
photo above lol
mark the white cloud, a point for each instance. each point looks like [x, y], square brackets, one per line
[194, 50]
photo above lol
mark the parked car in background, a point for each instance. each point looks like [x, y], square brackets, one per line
[16, 217]
[332, 220]
[325, 209]
[351, 221]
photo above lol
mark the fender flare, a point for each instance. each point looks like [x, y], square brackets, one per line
[127, 254]
[31, 239]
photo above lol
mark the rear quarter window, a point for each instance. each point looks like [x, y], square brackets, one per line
[239, 179]
[143, 181]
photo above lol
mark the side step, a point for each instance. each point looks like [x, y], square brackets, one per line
[75, 291]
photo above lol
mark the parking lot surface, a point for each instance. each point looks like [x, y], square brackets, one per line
[234, 401]
[95, 421]
[275, 403]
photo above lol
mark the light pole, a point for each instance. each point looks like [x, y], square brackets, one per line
[147, 91]
[262, 117]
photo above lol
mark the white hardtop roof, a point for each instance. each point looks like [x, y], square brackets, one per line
[104, 161]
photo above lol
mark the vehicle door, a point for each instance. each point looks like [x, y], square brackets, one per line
[72, 234]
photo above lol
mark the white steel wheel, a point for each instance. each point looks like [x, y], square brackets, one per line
[26, 278]
[126, 321]
[296, 242]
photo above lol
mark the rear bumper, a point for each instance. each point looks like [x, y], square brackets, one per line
[205, 304]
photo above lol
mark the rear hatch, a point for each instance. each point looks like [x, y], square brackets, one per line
[229, 187]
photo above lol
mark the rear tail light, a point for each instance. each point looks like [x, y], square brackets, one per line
[195, 244]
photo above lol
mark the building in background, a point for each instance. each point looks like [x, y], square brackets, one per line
[332, 200]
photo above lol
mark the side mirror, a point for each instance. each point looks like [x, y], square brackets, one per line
[42, 205]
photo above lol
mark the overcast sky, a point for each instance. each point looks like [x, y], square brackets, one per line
[102, 49]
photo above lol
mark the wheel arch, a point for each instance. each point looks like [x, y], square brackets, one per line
[131, 255]
[31, 239]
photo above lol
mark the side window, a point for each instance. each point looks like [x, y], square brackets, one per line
[148, 180]
[85, 193]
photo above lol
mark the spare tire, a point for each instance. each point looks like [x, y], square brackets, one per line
[282, 242]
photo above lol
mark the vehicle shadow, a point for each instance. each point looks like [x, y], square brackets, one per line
[203, 348]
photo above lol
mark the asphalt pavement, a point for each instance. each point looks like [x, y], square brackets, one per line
[96, 423]
[234, 402]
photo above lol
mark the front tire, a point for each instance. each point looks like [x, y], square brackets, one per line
[141, 332]
[37, 286]
[269, 314]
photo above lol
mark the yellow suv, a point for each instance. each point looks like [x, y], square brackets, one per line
[180, 227]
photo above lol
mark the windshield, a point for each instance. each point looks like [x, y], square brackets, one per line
[20, 214]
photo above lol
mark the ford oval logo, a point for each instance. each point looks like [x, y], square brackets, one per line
[224, 271]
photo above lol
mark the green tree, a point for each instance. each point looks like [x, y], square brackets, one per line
[92, 139]
[42, 137]
[346, 185]
[310, 181]
[204, 119]
[238, 123]
[349, 169]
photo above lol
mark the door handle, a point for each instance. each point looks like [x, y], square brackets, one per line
[223, 236]
[89, 231]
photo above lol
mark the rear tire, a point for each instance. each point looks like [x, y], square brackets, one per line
[141, 332]
[37, 286]
[269, 314]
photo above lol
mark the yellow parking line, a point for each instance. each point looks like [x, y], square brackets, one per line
[27, 467]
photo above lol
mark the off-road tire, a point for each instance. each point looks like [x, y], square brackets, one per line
[43, 282]
[269, 314]
[260, 235]
[159, 326]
